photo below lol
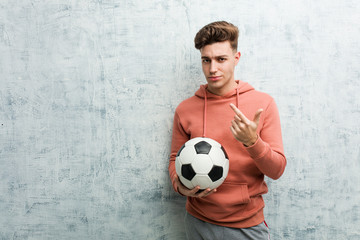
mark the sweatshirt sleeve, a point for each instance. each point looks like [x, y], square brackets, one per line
[179, 137]
[268, 152]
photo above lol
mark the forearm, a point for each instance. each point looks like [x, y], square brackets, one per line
[172, 171]
[179, 137]
[271, 162]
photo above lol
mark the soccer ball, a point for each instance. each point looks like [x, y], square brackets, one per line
[202, 162]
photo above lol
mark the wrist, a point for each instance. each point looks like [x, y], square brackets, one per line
[251, 142]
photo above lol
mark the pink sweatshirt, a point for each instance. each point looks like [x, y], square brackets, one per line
[238, 201]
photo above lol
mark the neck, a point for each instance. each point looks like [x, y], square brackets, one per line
[224, 90]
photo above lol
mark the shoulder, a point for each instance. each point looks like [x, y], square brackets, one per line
[267, 102]
[189, 104]
[260, 97]
[263, 94]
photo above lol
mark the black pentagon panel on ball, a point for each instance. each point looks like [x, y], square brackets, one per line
[187, 171]
[216, 173]
[178, 153]
[202, 147]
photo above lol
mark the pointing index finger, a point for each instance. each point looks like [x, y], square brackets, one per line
[239, 113]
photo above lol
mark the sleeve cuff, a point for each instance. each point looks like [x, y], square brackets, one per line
[258, 149]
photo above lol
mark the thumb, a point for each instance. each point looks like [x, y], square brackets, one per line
[175, 177]
[257, 116]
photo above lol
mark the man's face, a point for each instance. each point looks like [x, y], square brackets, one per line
[218, 64]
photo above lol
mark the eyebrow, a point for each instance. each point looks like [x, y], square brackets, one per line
[220, 56]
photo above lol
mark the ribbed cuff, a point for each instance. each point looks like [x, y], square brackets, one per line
[258, 149]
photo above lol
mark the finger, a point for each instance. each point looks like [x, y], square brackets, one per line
[204, 193]
[176, 179]
[257, 116]
[183, 189]
[179, 184]
[234, 129]
[234, 133]
[211, 192]
[238, 126]
[237, 118]
[239, 113]
[194, 191]
[180, 188]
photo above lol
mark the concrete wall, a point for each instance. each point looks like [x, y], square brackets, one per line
[87, 95]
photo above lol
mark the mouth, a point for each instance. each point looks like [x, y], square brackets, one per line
[214, 78]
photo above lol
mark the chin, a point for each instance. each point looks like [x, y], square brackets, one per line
[215, 84]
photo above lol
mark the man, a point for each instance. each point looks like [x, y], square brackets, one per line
[246, 122]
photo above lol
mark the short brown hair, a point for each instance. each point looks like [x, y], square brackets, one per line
[220, 31]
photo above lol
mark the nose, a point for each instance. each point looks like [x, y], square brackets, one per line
[213, 67]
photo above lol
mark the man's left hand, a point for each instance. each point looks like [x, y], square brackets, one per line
[243, 129]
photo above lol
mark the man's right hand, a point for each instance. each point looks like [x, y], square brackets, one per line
[192, 192]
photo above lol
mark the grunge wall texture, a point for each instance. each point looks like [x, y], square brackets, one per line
[87, 95]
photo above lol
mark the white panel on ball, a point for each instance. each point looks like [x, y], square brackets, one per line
[178, 166]
[217, 156]
[186, 182]
[187, 155]
[201, 180]
[202, 164]
[226, 168]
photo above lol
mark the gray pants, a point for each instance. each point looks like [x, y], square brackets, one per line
[197, 229]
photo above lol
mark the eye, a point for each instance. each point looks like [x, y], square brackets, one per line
[205, 60]
[222, 59]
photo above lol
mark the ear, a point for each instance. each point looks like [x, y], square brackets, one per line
[237, 57]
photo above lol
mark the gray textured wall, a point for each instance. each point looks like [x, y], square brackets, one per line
[88, 91]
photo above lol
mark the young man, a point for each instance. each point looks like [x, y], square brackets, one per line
[246, 122]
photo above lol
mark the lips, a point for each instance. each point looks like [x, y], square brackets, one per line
[215, 78]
